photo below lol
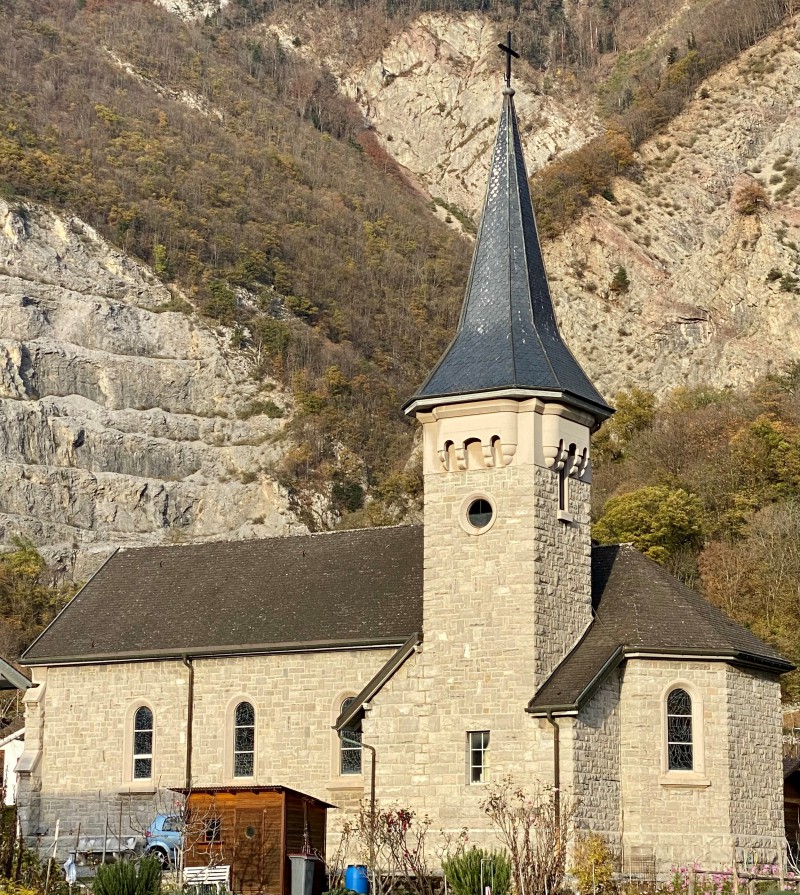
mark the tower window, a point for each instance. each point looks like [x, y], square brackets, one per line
[680, 751]
[479, 513]
[478, 756]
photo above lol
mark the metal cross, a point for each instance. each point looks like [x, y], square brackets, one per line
[506, 48]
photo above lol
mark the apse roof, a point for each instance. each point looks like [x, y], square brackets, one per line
[641, 609]
[507, 337]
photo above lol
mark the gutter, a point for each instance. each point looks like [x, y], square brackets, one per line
[215, 652]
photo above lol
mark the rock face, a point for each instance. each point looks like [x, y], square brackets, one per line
[119, 419]
[707, 302]
[433, 100]
[193, 10]
[711, 300]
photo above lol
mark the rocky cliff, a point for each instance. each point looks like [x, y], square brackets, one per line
[711, 298]
[121, 416]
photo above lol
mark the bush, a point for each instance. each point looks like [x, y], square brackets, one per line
[127, 878]
[749, 197]
[470, 871]
[593, 864]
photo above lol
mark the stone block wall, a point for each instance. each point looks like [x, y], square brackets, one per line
[83, 721]
[679, 816]
[596, 779]
[755, 752]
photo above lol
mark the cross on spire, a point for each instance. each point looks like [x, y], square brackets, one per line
[506, 48]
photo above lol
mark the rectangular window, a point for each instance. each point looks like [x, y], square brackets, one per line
[213, 829]
[478, 756]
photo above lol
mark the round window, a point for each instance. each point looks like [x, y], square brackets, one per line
[479, 513]
[250, 832]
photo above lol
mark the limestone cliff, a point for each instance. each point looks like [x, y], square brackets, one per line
[119, 415]
[708, 302]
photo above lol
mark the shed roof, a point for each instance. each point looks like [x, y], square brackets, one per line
[639, 608]
[320, 591]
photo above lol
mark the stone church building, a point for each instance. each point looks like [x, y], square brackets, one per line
[494, 640]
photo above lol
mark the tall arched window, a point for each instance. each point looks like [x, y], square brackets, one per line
[350, 744]
[143, 743]
[680, 747]
[244, 740]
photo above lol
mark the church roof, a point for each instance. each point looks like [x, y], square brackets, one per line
[507, 338]
[322, 591]
[641, 609]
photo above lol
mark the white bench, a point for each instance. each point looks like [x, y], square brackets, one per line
[218, 875]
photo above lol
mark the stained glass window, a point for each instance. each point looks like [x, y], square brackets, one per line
[679, 731]
[478, 756]
[143, 744]
[244, 740]
[350, 745]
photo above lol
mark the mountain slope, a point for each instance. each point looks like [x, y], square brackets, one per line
[119, 417]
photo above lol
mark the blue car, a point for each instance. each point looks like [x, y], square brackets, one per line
[163, 838]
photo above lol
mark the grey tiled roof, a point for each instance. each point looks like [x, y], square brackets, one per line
[640, 608]
[507, 336]
[324, 590]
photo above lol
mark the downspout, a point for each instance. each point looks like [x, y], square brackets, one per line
[556, 770]
[189, 723]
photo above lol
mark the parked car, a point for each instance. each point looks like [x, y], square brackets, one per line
[163, 838]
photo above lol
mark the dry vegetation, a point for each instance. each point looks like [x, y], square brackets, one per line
[262, 207]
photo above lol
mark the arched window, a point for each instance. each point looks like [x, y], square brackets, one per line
[143, 743]
[680, 748]
[350, 744]
[244, 740]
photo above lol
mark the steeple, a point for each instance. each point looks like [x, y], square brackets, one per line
[508, 343]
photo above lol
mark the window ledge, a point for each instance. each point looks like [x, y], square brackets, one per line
[138, 788]
[352, 781]
[687, 779]
[565, 517]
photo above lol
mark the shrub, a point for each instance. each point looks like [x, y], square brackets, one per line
[470, 871]
[749, 197]
[620, 281]
[127, 878]
[593, 864]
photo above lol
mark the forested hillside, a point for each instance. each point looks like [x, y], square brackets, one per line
[708, 483]
[185, 147]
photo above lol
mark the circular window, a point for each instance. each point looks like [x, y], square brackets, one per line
[250, 832]
[478, 514]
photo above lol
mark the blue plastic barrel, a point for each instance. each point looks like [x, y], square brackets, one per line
[356, 879]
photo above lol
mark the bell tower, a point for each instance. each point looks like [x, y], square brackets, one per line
[507, 414]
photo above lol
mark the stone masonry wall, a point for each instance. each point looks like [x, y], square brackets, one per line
[85, 771]
[562, 570]
[596, 779]
[479, 665]
[681, 818]
[755, 754]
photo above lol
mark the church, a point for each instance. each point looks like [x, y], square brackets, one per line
[494, 641]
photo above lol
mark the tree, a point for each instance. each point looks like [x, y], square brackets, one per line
[658, 520]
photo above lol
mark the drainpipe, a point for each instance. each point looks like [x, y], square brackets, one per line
[372, 813]
[189, 723]
[556, 771]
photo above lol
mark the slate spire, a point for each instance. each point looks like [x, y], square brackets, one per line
[507, 338]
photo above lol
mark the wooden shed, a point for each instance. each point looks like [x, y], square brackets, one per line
[254, 829]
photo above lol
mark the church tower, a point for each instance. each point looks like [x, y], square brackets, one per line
[506, 414]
